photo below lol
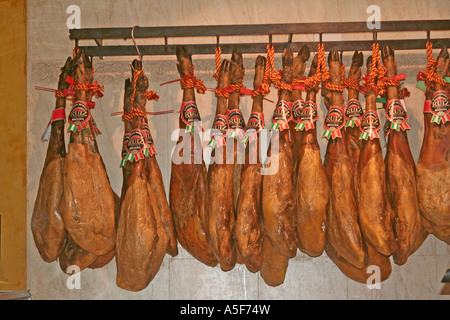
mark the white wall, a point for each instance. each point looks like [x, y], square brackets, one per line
[182, 277]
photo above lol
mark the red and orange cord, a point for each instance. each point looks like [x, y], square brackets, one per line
[430, 76]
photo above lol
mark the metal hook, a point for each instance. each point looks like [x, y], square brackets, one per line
[166, 45]
[218, 42]
[428, 35]
[270, 39]
[374, 36]
[320, 38]
[134, 41]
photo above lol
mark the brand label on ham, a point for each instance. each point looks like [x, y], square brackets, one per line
[307, 116]
[334, 122]
[370, 125]
[440, 107]
[136, 146]
[297, 108]
[190, 116]
[353, 113]
[218, 131]
[79, 117]
[281, 116]
[255, 124]
[236, 123]
[396, 115]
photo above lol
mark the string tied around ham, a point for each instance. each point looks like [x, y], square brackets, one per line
[93, 87]
[426, 79]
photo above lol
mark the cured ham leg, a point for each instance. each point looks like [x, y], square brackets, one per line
[221, 213]
[311, 183]
[342, 231]
[279, 209]
[433, 167]
[297, 101]
[140, 245]
[188, 189]
[400, 172]
[375, 213]
[235, 118]
[87, 204]
[248, 230]
[47, 226]
[353, 113]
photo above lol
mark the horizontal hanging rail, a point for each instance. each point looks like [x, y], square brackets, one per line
[100, 34]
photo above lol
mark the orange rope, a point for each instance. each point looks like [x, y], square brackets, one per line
[221, 93]
[151, 95]
[189, 81]
[430, 76]
[218, 53]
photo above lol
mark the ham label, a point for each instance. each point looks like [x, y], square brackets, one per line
[79, 117]
[370, 125]
[334, 122]
[281, 116]
[353, 113]
[190, 116]
[440, 107]
[396, 116]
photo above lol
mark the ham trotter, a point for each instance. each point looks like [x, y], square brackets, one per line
[47, 226]
[88, 203]
[221, 214]
[375, 213]
[342, 230]
[141, 240]
[188, 189]
[236, 119]
[278, 200]
[400, 169]
[433, 167]
[296, 126]
[353, 113]
[249, 225]
[311, 183]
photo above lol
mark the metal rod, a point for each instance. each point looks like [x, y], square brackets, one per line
[256, 29]
[410, 44]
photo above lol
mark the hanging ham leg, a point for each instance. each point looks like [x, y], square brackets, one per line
[278, 193]
[138, 248]
[400, 173]
[433, 167]
[188, 189]
[342, 230]
[87, 205]
[47, 225]
[249, 228]
[221, 215]
[375, 213]
[354, 109]
[311, 184]
[299, 67]
[235, 117]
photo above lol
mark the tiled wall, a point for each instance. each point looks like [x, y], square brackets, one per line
[182, 277]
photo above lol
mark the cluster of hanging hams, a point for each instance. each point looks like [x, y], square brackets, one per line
[356, 206]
